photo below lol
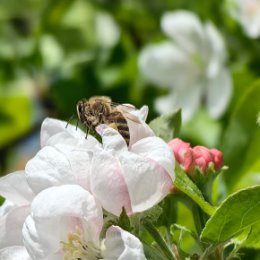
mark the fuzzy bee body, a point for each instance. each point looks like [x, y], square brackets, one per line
[100, 110]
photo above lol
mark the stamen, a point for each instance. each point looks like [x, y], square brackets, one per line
[78, 249]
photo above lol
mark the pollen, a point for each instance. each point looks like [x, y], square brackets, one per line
[76, 248]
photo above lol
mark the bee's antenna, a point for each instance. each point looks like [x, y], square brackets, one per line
[69, 120]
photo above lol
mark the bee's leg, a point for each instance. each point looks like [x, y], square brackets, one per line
[87, 131]
[77, 125]
[69, 120]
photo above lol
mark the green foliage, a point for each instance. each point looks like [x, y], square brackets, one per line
[185, 184]
[237, 212]
[167, 126]
[241, 138]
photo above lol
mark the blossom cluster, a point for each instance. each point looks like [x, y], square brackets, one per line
[198, 157]
[54, 209]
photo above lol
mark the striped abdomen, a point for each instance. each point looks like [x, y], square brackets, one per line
[119, 120]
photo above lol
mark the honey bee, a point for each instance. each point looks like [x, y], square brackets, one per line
[101, 110]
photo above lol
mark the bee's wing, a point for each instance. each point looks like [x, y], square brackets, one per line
[126, 111]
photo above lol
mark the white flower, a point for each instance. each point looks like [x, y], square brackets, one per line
[191, 65]
[65, 223]
[136, 178]
[18, 195]
[247, 13]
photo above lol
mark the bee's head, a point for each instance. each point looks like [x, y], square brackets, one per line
[81, 110]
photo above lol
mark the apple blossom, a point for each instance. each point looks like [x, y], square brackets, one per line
[191, 65]
[247, 13]
[18, 195]
[65, 223]
[136, 178]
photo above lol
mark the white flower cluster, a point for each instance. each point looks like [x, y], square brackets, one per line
[54, 208]
[191, 65]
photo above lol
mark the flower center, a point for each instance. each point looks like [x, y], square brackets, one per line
[78, 249]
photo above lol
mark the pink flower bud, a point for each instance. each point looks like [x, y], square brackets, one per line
[217, 158]
[202, 157]
[183, 153]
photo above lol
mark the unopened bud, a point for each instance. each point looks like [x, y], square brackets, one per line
[183, 154]
[217, 158]
[202, 157]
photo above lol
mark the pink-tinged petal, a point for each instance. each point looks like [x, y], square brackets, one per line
[120, 244]
[157, 150]
[51, 126]
[217, 158]
[108, 184]
[14, 253]
[111, 139]
[11, 226]
[219, 92]
[185, 29]
[15, 188]
[147, 181]
[56, 212]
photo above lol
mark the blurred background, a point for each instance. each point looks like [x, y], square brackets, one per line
[53, 53]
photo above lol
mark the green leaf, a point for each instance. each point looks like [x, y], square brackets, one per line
[124, 221]
[167, 126]
[239, 211]
[240, 133]
[253, 238]
[187, 186]
[15, 117]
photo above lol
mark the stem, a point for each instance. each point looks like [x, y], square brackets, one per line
[159, 240]
[152, 253]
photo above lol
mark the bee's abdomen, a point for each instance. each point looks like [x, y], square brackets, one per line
[121, 125]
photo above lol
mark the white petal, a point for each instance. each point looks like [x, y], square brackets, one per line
[108, 184]
[57, 165]
[70, 140]
[185, 29]
[215, 51]
[120, 244]
[56, 212]
[219, 93]
[188, 99]
[111, 139]
[14, 253]
[48, 168]
[147, 181]
[6, 207]
[15, 188]
[167, 65]
[11, 226]
[51, 126]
